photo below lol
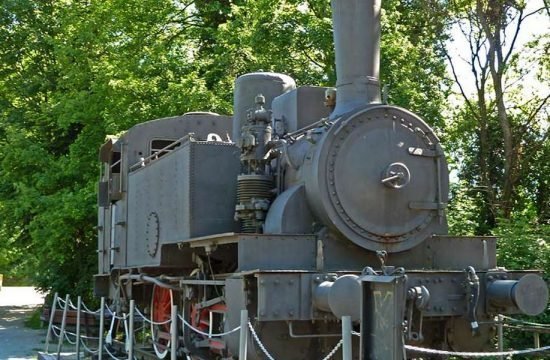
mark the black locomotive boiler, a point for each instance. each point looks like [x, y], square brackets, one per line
[308, 204]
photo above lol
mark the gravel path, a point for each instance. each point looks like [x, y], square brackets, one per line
[16, 341]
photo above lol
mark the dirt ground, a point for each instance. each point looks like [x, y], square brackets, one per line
[16, 341]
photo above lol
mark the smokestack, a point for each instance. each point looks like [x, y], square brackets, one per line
[357, 48]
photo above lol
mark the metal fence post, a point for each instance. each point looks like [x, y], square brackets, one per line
[78, 310]
[101, 328]
[174, 332]
[536, 338]
[50, 324]
[131, 331]
[500, 329]
[62, 330]
[244, 335]
[346, 337]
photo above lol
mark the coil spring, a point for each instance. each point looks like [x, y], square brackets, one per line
[250, 187]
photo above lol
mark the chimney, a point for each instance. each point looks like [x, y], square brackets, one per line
[357, 48]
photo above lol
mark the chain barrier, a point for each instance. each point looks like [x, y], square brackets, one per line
[82, 336]
[257, 339]
[151, 321]
[544, 326]
[87, 349]
[57, 334]
[333, 351]
[476, 354]
[88, 311]
[60, 301]
[113, 314]
[66, 335]
[268, 355]
[110, 354]
[185, 323]
[56, 330]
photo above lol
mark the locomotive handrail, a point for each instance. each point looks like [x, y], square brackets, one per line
[144, 161]
[118, 162]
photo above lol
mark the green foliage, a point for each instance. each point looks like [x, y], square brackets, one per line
[33, 320]
[73, 72]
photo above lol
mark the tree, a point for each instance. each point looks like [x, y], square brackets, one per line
[504, 124]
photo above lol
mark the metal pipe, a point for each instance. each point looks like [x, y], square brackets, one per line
[78, 310]
[356, 26]
[50, 324]
[346, 337]
[62, 330]
[244, 335]
[101, 328]
[131, 331]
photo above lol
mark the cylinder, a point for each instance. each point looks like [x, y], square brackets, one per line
[247, 86]
[357, 50]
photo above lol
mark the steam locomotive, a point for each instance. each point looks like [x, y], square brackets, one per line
[307, 205]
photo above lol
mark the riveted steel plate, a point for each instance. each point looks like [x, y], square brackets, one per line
[284, 296]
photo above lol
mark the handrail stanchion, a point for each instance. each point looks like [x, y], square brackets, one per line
[101, 328]
[50, 324]
[62, 330]
[244, 335]
[536, 338]
[346, 337]
[174, 332]
[78, 309]
[131, 331]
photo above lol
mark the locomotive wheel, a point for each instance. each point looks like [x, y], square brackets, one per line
[162, 301]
